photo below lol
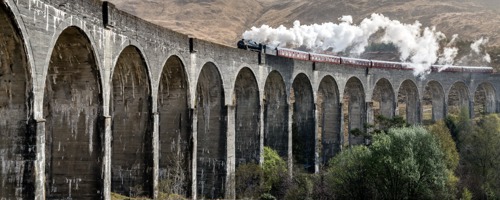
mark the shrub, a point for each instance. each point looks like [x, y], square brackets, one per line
[274, 168]
[405, 163]
[249, 179]
[348, 172]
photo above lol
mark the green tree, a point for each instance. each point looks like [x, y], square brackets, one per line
[301, 187]
[459, 125]
[405, 163]
[446, 143]
[275, 173]
[480, 150]
[450, 155]
[249, 179]
[347, 174]
[383, 124]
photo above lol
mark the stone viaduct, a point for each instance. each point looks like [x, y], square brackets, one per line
[94, 101]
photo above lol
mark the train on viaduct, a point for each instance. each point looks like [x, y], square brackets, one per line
[95, 101]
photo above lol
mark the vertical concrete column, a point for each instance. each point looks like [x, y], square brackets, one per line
[108, 136]
[342, 124]
[471, 109]
[191, 69]
[261, 132]
[497, 107]
[195, 153]
[318, 137]
[370, 119]
[231, 153]
[290, 139]
[419, 111]
[445, 109]
[40, 160]
[156, 153]
[107, 157]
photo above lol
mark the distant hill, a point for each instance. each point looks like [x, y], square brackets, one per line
[223, 21]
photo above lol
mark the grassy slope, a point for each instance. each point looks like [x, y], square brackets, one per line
[223, 21]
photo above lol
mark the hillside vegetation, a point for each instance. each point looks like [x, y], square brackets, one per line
[223, 21]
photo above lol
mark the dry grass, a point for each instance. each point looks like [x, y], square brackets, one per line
[223, 21]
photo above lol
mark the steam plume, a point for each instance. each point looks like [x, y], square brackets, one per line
[416, 45]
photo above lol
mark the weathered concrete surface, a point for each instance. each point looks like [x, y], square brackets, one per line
[383, 98]
[16, 136]
[303, 126]
[132, 141]
[328, 111]
[458, 98]
[433, 104]
[211, 147]
[134, 106]
[408, 102]
[276, 114]
[176, 142]
[247, 116]
[354, 109]
[484, 99]
[72, 108]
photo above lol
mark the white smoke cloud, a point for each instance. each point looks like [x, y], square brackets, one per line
[417, 45]
[478, 48]
[477, 55]
[447, 57]
[475, 46]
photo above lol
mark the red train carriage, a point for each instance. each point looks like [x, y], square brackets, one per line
[325, 58]
[356, 62]
[386, 64]
[289, 53]
[478, 69]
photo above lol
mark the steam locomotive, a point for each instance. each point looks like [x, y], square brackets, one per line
[356, 62]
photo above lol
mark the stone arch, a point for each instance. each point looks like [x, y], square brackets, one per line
[383, 99]
[353, 107]
[303, 134]
[408, 102]
[458, 98]
[211, 134]
[72, 107]
[176, 147]
[276, 114]
[131, 159]
[17, 132]
[247, 116]
[484, 99]
[433, 103]
[329, 115]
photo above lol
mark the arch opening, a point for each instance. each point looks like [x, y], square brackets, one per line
[329, 124]
[458, 98]
[73, 107]
[211, 130]
[433, 103]
[408, 101]
[353, 107]
[247, 113]
[175, 129]
[484, 99]
[276, 114]
[303, 127]
[131, 168]
[17, 134]
[383, 99]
